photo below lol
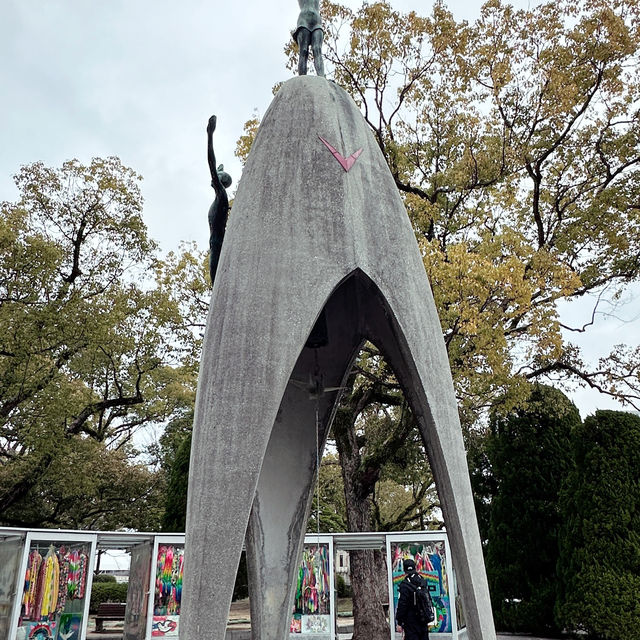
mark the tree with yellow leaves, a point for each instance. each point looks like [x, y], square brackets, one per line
[515, 143]
[97, 341]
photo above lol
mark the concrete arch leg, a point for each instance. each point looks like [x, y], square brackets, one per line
[275, 535]
[406, 332]
[358, 310]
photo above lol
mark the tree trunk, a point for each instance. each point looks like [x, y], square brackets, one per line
[367, 567]
[369, 588]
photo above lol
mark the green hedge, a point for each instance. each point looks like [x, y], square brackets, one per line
[107, 592]
[599, 568]
[529, 451]
[104, 577]
[343, 589]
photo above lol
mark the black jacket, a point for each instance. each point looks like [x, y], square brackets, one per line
[406, 614]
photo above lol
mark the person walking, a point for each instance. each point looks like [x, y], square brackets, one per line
[408, 614]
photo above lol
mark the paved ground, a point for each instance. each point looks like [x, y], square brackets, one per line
[243, 632]
[240, 629]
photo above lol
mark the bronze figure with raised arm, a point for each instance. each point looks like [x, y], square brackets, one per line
[219, 210]
[308, 35]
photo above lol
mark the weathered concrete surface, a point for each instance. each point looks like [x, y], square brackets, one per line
[306, 235]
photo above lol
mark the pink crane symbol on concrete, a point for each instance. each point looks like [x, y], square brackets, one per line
[345, 163]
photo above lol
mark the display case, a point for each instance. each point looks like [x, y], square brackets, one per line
[54, 600]
[167, 573]
[314, 605]
[46, 580]
[430, 551]
[11, 552]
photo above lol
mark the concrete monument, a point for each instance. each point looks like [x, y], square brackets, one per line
[319, 256]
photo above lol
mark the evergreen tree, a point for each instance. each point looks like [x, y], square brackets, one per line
[599, 566]
[175, 514]
[530, 455]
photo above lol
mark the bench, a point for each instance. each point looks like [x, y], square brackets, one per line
[109, 611]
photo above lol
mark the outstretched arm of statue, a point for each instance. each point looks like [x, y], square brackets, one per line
[215, 178]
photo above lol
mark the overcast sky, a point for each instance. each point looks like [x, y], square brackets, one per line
[140, 78]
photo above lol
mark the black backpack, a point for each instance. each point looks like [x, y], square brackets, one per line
[422, 601]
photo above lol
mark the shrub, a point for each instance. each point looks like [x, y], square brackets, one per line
[530, 455]
[344, 589]
[107, 592]
[599, 567]
[104, 577]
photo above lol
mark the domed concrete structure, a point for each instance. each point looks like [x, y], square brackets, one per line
[317, 230]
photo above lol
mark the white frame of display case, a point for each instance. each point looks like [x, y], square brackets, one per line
[55, 536]
[177, 539]
[419, 537]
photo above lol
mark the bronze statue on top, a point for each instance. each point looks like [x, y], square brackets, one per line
[308, 35]
[219, 210]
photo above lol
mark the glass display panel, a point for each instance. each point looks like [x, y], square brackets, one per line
[431, 564]
[460, 619]
[312, 619]
[168, 591]
[55, 590]
[11, 549]
[135, 617]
